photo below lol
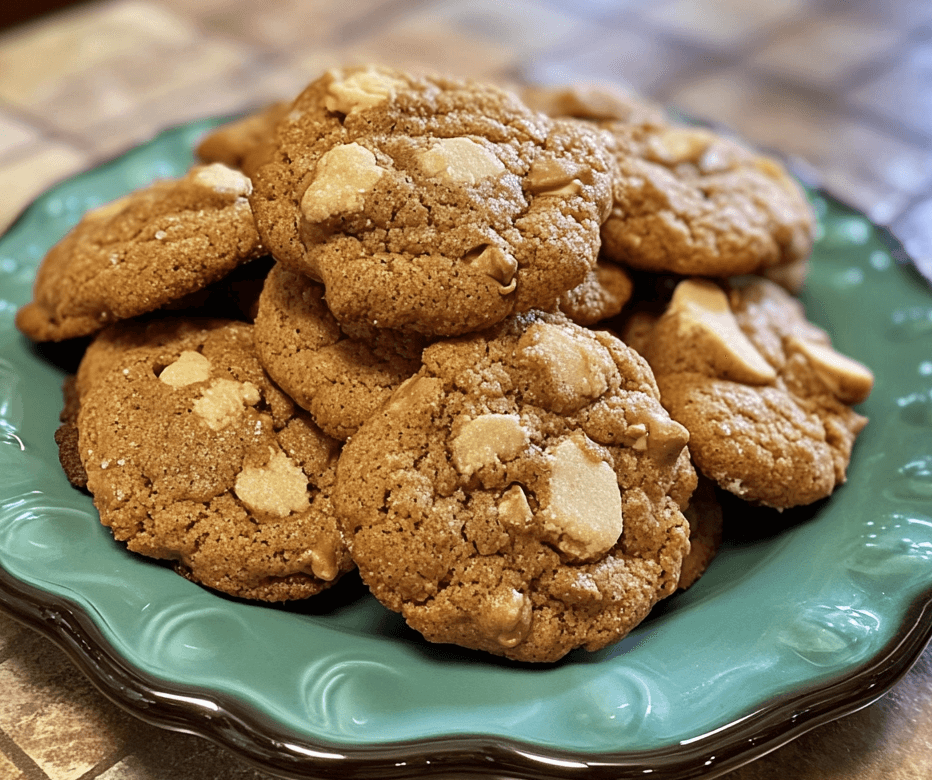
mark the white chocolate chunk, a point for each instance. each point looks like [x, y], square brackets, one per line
[506, 617]
[681, 144]
[222, 178]
[487, 440]
[496, 263]
[360, 90]
[459, 159]
[513, 508]
[190, 367]
[224, 401]
[276, 489]
[850, 381]
[584, 513]
[553, 177]
[324, 563]
[574, 366]
[703, 312]
[342, 178]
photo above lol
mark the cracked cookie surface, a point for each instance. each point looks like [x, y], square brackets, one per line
[142, 252]
[340, 379]
[428, 204]
[765, 397]
[193, 455]
[521, 494]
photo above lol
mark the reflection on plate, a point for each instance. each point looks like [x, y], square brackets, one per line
[804, 616]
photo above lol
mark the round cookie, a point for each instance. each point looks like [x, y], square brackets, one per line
[704, 514]
[141, 253]
[193, 455]
[766, 399]
[692, 201]
[521, 493]
[237, 144]
[340, 380]
[603, 294]
[431, 205]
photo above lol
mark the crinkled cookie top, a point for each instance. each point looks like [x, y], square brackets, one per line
[429, 204]
[522, 493]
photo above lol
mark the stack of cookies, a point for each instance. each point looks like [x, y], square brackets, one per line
[497, 349]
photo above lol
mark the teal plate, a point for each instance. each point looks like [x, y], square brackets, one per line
[802, 618]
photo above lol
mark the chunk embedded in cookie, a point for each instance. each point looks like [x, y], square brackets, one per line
[193, 455]
[430, 205]
[505, 501]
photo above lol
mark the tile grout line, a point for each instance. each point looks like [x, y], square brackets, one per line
[20, 759]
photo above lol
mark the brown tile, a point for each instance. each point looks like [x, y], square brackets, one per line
[52, 712]
[721, 23]
[29, 174]
[640, 60]
[279, 25]
[9, 770]
[14, 134]
[10, 633]
[824, 51]
[902, 92]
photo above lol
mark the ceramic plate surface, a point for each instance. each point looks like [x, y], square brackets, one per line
[803, 617]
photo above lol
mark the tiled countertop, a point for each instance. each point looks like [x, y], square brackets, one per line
[845, 87]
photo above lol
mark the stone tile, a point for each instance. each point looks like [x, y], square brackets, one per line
[14, 134]
[10, 633]
[52, 712]
[823, 51]
[520, 26]
[636, 59]
[31, 173]
[9, 770]
[432, 44]
[283, 24]
[902, 92]
[116, 59]
[723, 24]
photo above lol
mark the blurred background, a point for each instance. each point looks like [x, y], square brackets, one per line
[842, 87]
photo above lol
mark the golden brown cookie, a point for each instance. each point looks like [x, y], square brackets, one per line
[704, 514]
[521, 493]
[237, 143]
[431, 205]
[340, 380]
[193, 455]
[689, 200]
[66, 435]
[142, 252]
[766, 399]
[603, 294]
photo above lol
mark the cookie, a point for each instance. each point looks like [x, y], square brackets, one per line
[521, 493]
[66, 435]
[706, 525]
[238, 144]
[766, 399]
[142, 252]
[193, 455]
[430, 205]
[689, 200]
[603, 294]
[340, 380]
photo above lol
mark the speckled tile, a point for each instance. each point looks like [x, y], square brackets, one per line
[902, 92]
[725, 24]
[635, 58]
[53, 713]
[27, 175]
[824, 51]
[9, 770]
[10, 632]
[279, 25]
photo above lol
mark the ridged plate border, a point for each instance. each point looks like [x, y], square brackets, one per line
[852, 615]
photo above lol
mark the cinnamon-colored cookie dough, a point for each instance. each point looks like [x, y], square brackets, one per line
[603, 294]
[238, 144]
[706, 527]
[766, 399]
[431, 205]
[142, 252]
[341, 380]
[193, 455]
[689, 200]
[521, 493]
